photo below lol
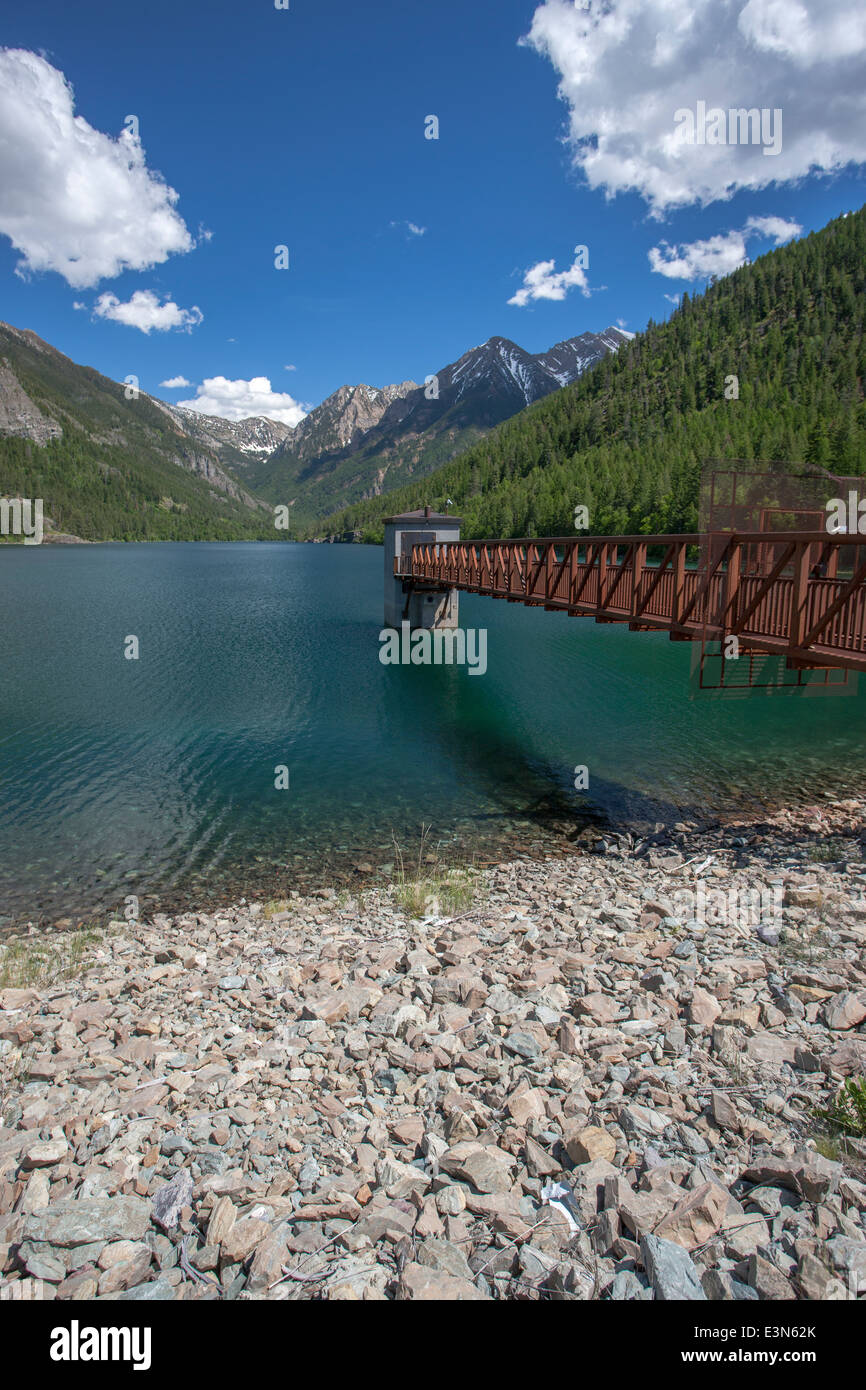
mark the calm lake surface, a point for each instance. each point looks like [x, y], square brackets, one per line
[156, 777]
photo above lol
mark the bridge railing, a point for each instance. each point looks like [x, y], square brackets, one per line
[803, 592]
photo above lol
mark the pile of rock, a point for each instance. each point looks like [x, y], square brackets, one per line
[574, 1091]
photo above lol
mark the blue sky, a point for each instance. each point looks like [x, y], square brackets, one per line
[306, 127]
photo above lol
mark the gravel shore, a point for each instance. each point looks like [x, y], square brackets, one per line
[602, 1081]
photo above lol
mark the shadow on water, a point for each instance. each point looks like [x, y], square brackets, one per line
[474, 727]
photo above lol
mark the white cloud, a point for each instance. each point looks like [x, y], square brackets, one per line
[674, 298]
[175, 381]
[542, 281]
[412, 227]
[237, 400]
[718, 255]
[144, 311]
[626, 66]
[805, 33]
[696, 260]
[290, 367]
[72, 199]
[781, 229]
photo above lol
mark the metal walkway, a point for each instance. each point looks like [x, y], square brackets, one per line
[798, 594]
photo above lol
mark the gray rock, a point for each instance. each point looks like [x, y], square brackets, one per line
[849, 1257]
[720, 1286]
[158, 1291]
[809, 1174]
[90, 1219]
[627, 1288]
[523, 1044]
[174, 1144]
[41, 1262]
[442, 1255]
[769, 1282]
[169, 1200]
[672, 1272]
[846, 1009]
[536, 1265]
[309, 1175]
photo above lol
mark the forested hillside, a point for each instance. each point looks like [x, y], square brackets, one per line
[629, 439]
[109, 468]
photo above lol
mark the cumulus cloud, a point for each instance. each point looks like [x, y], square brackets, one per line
[626, 67]
[806, 34]
[145, 312]
[543, 281]
[781, 229]
[72, 199]
[175, 381]
[697, 260]
[238, 400]
[718, 255]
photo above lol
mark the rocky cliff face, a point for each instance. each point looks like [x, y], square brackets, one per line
[342, 420]
[19, 415]
[206, 466]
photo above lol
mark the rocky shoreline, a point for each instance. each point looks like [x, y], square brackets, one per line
[602, 1081]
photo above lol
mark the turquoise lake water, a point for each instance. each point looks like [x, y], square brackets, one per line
[156, 777]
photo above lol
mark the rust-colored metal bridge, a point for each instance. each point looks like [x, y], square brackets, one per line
[797, 594]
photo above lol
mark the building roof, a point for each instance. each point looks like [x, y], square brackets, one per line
[426, 514]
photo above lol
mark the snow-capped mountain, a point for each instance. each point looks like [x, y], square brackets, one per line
[501, 365]
[568, 360]
[362, 441]
[257, 436]
[496, 366]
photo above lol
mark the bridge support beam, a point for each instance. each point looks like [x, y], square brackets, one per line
[423, 604]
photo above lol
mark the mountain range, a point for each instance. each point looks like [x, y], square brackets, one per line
[114, 466]
[364, 440]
